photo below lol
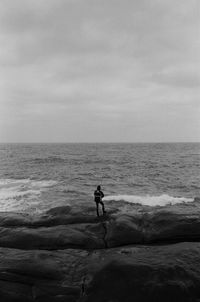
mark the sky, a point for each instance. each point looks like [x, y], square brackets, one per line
[99, 70]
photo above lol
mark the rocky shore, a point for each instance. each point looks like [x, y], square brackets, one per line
[135, 253]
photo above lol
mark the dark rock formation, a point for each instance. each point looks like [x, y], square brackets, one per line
[86, 236]
[167, 273]
[41, 275]
[67, 254]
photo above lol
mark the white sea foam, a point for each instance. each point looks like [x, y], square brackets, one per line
[18, 194]
[161, 200]
[30, 182]
[14, 193]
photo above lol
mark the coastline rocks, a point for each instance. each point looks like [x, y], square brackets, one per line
[56, 216]
[123, 230]
[41, 275]
[172, 227]
[84, 236]
[134, 273]
[157, 227]
[65, 227]
[168, 273]
[151, 225]
[68, 254]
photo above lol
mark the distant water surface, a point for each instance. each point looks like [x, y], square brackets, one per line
[36, 177]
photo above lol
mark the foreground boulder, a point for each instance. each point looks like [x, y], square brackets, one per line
[167, 273]
[41, 275]
[134, 273]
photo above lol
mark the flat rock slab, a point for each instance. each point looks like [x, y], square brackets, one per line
[64, 227]
[126, 274]
[41, 275]
[157, 227]
[164, 273]
[86, 236]
[68, 254]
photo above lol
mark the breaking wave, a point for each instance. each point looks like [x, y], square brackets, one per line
[161, 200]
[18, 194]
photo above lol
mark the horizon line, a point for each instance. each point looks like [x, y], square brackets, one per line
[93, 142]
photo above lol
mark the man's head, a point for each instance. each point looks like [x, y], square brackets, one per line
[98, 188]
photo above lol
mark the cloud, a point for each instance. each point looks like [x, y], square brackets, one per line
[179, 76]
[114, 61]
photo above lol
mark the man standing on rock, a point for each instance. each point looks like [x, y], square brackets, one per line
[98, 195]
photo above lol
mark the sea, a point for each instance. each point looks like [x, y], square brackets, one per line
[37, 177]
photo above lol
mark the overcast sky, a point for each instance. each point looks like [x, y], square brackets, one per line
[99, 70]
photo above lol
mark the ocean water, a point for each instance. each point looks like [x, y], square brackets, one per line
[36, 177]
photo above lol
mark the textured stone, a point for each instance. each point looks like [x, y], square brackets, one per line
[53, 238]
[167, 273]
[68, 254]
[41, 275]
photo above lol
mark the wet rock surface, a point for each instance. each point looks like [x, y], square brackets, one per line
[135, 253]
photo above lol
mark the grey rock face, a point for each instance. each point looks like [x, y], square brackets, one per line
[67, 254]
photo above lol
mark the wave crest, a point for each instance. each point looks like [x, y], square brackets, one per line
[19, 194]
[161, 200]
